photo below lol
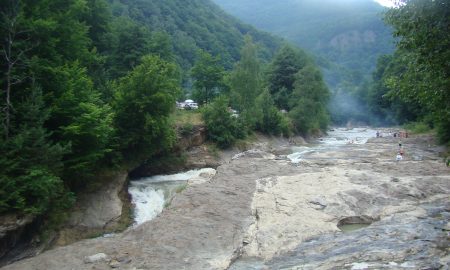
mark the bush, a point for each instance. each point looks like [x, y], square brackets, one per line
[417, 127]
[222, 128]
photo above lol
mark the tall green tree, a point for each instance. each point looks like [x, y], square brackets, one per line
[143, 101]
[422, 30]
[246, 81]
[80, 119]
[286, 63]
[308, 102]
[208, 77]
[30, 164]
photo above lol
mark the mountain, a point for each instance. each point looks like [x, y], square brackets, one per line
[350, 33]
[193, 25]
[346, 36]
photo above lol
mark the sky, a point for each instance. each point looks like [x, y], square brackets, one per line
[386, 3]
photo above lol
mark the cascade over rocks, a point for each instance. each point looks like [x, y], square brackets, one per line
[261, 211]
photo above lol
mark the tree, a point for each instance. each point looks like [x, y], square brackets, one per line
[30, 163]
[270, 119]
[246, 82]
[143, 101]
[208, 77]
[80, 119]
[13, 52]
[308, 102]
[130, 42]
[422, 29]
[222, 127]
[286, 63]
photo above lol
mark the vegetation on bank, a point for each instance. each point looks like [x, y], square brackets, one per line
[89, 86]
[413, 84]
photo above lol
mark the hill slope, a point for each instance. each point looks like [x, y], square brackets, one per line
[347, 37]
[344, 32]
[194, 25]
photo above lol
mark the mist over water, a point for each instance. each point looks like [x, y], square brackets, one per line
[345, 108]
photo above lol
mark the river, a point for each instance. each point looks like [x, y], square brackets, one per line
[149, 195]
[268, 208]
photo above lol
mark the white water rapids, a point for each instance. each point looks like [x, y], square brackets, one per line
[335, 138]
[149, 195]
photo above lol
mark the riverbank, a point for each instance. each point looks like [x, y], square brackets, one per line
[260, 208]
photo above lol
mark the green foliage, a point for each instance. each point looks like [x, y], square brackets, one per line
[270, 119]
[422, 29]
[30, 163]
[246, 83]
[346, 37]
[308, 102]
[286, 63]
[417, 127]
[198, 24]
[82, 121]
[222, 127]
[208, 77]
[143, 101]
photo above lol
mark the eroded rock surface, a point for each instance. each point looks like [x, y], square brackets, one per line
[260, 211]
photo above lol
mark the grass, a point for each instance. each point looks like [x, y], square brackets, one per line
[417, 127]
[185, 118]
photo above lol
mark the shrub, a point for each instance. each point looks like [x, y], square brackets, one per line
[222, 128]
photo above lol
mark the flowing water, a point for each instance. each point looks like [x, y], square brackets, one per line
[150, 195]
[335, 139]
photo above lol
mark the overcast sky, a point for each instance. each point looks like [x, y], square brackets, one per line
[386, 3]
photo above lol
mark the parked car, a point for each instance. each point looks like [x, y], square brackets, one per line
[191, 106]
[188, 104]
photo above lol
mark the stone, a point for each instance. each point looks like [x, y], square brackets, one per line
[99, 257]
[257, 206]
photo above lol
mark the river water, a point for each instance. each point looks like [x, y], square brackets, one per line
[335, 139]
[150, 195]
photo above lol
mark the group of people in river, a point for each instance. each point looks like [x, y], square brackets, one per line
[397, 134]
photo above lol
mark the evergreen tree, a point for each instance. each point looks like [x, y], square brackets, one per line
[30, 163]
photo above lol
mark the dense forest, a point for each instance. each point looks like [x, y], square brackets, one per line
[346, 38]
[89, 86]
[413, 84]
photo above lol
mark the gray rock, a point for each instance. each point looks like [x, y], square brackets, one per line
[99, 257]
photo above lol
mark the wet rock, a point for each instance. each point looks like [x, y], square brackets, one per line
[272, 212]
[114, 264]
[99, 257]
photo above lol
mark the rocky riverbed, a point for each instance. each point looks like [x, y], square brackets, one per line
[263, 211]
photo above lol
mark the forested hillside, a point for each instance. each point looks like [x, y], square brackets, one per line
[345, 36]
[190, 26]
[413, 84]
[88, 87]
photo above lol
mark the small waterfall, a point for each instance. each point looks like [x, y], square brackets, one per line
[149, 195]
